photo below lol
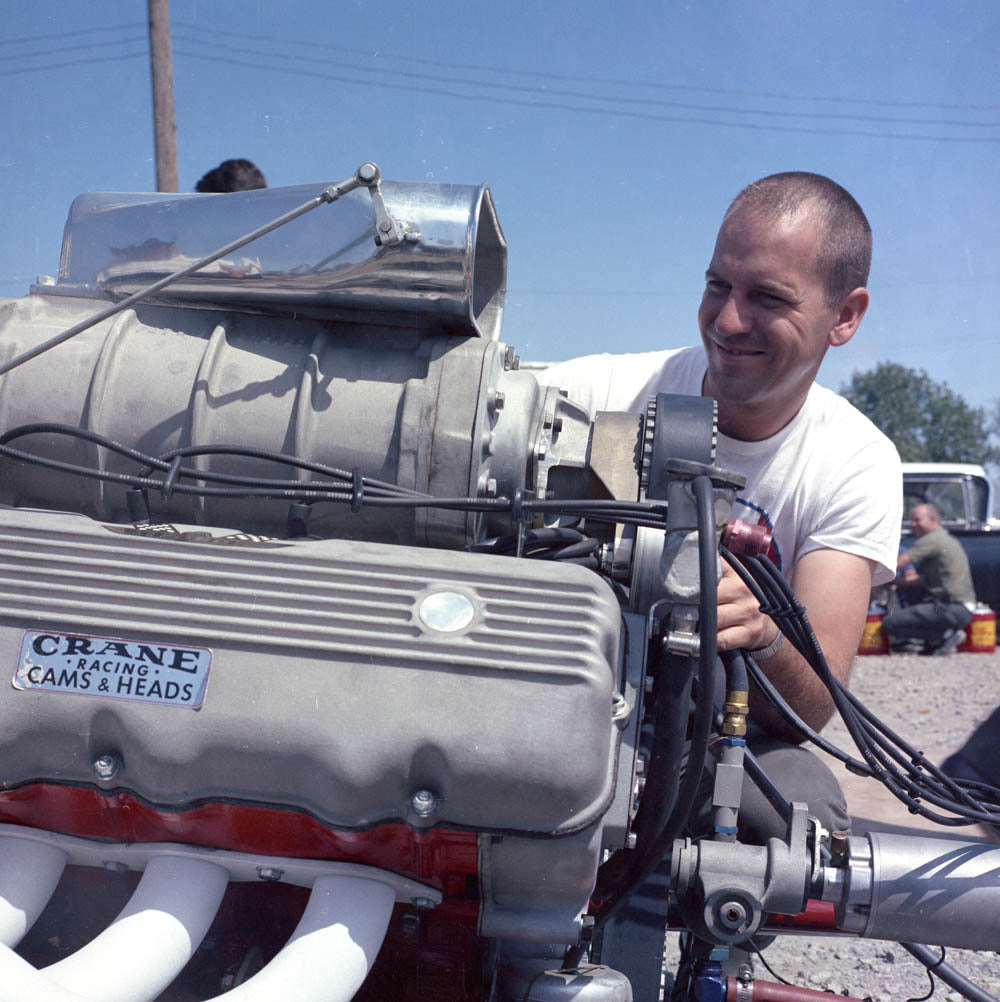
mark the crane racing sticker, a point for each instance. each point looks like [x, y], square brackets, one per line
[113, 668]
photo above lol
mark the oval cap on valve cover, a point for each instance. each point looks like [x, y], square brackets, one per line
[447, 611]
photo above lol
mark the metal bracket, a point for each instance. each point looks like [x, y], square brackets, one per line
[387, 231]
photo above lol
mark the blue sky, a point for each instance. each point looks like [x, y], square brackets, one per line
[612, 137]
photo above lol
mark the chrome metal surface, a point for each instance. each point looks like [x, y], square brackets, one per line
[448, 264]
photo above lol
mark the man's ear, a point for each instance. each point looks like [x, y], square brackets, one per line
[851, 310]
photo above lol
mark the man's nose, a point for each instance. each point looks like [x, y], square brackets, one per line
[733, 318]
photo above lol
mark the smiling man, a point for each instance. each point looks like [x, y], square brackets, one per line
[786, 282]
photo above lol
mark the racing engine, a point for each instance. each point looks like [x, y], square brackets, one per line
[333, 635]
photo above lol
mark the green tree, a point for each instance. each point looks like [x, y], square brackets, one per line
[927, 421]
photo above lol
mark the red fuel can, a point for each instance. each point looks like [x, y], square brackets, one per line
[874, 640]
[981, 633]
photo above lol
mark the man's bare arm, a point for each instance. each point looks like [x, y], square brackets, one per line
[834, 587]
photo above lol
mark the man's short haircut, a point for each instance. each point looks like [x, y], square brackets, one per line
[932, 510]
[845, 253]
[231, 175]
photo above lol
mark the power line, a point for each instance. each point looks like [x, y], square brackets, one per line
[72, 34]
[144, 53]
[615, 99]
[519, 72]
[656, 85]
[616, 112]
[75, 48]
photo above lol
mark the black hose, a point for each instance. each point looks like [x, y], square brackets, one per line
[736, 671]
[943, 970]
[650, 857]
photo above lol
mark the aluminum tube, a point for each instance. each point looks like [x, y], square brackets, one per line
[152, 938]
[935, 891]
[29, 872]
[333, 946]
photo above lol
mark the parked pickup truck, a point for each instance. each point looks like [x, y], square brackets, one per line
[964, 495]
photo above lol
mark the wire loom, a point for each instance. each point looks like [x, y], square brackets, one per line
[906, 772]
[166, 475]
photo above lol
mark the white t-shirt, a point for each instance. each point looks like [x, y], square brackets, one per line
[828, 479]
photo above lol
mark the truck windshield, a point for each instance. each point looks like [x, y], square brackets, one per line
[951, 498]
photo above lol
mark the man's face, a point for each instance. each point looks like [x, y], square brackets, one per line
[922, 520]
[763, 318]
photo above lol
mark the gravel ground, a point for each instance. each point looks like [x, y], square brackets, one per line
[933, 703]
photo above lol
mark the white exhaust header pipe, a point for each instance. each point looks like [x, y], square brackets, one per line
[326, 960]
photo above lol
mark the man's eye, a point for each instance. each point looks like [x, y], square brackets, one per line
[770, 300]
[716, 287]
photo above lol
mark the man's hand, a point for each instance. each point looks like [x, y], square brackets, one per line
[741, 623]
[834, 587]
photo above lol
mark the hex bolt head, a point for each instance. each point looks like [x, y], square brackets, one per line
[499, 399]
[106, 767]
[270, 873]
[491, 488]
[367, 172]
[424, 904]
[423, 803]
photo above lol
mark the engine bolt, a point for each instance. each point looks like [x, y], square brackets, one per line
[367, 172]
[499, 399]
[424, 803]
[271, 873]
[424, 904]
[106, 767]
[732, 915]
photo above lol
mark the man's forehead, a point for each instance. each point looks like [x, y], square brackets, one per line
[774, 248]
[758, 224]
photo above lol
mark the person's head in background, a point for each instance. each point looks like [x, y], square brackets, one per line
[231, 175]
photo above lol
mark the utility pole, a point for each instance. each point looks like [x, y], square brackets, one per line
[164, 123]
